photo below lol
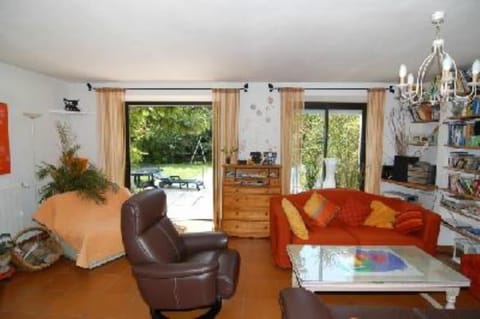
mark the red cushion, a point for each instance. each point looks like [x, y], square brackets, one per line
[353, 212]
[409, 221]
[367, 235]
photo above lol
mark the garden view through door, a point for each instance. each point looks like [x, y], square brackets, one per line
[337, 131]
[170, 148]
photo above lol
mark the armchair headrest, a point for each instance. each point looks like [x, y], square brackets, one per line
[144, 209]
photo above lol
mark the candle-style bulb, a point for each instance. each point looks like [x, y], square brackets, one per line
[447, 63]
[475, 70]
[410, 79]
[403, 71]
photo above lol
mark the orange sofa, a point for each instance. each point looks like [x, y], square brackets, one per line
[339, 233]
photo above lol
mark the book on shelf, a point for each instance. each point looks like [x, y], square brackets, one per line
[464, 161]
[464, 185]
[464, 133]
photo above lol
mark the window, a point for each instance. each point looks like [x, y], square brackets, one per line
[334, 130]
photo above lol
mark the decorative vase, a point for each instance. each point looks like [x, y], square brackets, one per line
[330, 166]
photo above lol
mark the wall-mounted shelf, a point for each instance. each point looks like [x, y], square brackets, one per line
[463, 147]
[463, 118]
[422, 144]
[63, 112]
[411, 185]
[460, 230]
[424, 122]
[466, 196]
[460, 170]
[461, 212]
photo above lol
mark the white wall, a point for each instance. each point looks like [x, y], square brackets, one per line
[26, 91]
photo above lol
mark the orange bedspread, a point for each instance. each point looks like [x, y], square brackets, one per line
[93, 230]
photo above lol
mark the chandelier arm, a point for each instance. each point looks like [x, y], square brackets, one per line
[421, 73]
[455, 74]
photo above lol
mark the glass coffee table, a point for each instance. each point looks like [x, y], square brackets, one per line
[373, 269]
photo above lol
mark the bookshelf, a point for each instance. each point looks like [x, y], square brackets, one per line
[411, 185]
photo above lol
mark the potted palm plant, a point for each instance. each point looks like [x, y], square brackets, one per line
[73, 173]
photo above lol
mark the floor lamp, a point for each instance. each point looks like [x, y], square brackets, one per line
[33, 116]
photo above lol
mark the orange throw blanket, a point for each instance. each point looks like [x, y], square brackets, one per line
[93, 230]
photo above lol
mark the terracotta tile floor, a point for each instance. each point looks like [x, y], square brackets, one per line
[67, 292]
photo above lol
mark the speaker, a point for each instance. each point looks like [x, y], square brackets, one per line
[400, 167]
[387, 171]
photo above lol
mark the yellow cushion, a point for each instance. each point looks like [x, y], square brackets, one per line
[320, 210]
[381, 215]
[294, 219]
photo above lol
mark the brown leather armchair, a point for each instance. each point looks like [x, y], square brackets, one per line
[175, 272]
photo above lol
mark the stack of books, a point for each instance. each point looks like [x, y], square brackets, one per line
[463, 160]
[421, 173]
[464, 185]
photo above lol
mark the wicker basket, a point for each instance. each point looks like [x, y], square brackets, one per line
[35, 248]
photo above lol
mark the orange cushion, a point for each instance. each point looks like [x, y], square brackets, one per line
[320, 210]
[353, 212]
[381, 215]
[294, 219]
[409, 221]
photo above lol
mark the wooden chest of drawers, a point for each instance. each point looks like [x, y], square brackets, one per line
[246, 198]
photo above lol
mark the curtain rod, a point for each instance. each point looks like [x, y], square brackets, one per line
[244, 88]
[390, 89]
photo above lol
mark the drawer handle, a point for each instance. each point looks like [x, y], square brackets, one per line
[236, 226]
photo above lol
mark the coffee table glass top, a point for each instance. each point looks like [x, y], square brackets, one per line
[362, 264]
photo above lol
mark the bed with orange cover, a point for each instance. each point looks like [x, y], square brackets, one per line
[89, 232]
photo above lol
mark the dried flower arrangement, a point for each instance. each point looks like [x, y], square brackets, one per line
[397, 123]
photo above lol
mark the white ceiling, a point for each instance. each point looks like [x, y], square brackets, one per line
[221, 40]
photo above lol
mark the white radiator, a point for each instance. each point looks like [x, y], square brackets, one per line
[16, 207]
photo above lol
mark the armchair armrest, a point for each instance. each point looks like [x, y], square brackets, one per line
[301, 303]
[176, 270]
[195, 242]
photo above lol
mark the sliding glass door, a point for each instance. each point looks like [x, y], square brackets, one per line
[333, 130]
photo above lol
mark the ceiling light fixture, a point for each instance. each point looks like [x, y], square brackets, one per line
[445, 86]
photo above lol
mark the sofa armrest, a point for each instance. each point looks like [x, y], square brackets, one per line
[280, 233]
[195, 242]
[301, 303]
[429, 233]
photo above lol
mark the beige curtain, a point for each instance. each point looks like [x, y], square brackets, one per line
[292, 106]
[374, 138]
[111, 133]
[225, 108]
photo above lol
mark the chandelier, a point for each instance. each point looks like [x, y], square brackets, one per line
[445, 86]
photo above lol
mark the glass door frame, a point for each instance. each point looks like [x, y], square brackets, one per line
[127, 126]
